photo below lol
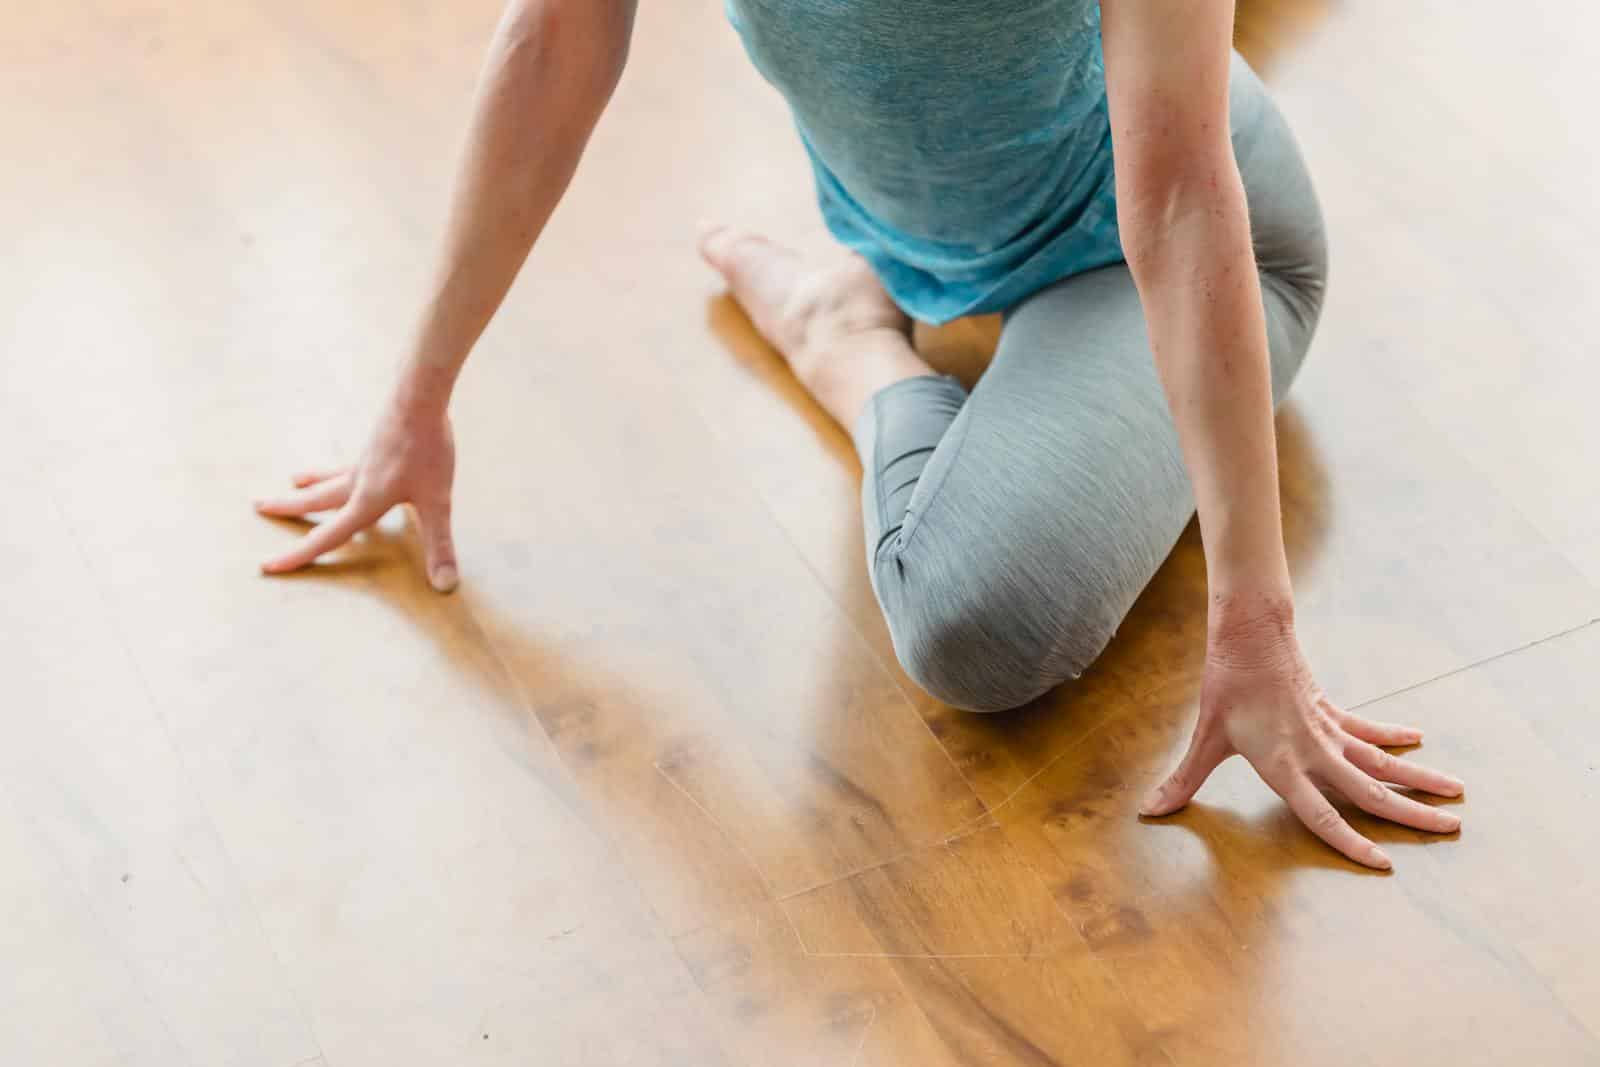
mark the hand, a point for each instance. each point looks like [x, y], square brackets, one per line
[1259, 700]
[410, 459]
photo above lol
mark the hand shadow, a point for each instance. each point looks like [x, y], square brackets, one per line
[532, 688]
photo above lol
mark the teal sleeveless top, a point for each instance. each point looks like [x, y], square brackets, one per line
[961, 146]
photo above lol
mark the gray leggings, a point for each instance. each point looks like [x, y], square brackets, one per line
[1010, 531]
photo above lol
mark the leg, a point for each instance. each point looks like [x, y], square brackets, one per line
[1009, 532]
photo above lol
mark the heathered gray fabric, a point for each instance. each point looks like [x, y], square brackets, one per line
[1009, 532]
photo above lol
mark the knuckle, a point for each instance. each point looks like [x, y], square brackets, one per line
[1326, 820]
[1378, 792]
[1282, 763]
[1382, 762]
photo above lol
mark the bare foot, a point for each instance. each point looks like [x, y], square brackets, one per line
[841, 334]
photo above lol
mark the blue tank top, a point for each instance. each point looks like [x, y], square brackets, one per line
[961, 146]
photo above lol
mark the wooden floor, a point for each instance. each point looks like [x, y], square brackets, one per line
[651, 790]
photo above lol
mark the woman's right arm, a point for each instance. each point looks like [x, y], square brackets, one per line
[549, 74]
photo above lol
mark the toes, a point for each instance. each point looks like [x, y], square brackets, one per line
[708, 230]
[761, 274]
[717, 241]
[737, 255]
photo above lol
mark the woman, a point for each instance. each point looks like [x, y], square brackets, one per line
[1097, 172]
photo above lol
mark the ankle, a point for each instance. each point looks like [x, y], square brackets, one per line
[845, 374]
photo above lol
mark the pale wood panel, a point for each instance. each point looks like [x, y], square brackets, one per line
[559, 809]
[1469, 204]
[422, 862]
[454, 876]
[163, 955]
[66, 994]
[423, 865]
[1531, 720]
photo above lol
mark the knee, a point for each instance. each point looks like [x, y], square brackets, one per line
[985, 641]
[1309, 275]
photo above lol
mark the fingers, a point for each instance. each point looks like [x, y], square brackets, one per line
[324, 537]
[438, 547]
[317, 496]
[1207, 749]
[305, 478]
[1375, 798]
[1324, 820]
[1377, 733]
[1388, 768]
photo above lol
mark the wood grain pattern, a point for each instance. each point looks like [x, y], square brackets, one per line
[650, 789]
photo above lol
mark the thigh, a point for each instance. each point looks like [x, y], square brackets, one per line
[1060, 487]
[1045, 507]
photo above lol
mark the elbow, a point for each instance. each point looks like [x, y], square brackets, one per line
[1170, 202]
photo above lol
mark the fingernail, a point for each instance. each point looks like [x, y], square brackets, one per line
[1380, 859]
[445, 577]
[1151, 799]
[1451, 823]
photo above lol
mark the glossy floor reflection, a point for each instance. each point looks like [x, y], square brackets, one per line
[650, 789]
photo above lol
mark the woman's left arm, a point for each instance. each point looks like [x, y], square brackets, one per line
[1186, 235]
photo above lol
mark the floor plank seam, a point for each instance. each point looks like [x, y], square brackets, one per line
[761, 876]
[722, 831]
[1569, 631]
[862, 1044]
[933, 955]
[936, 841]
[530, 714]
[526, 707]
[1075, 931]
[961, 831]
[92, 919]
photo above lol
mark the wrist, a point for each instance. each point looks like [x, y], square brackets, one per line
[422, 392]
[1250, 627]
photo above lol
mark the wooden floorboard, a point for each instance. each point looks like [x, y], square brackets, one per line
[650, 789]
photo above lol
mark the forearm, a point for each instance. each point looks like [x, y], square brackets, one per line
[548, 76]
[1192, 258]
